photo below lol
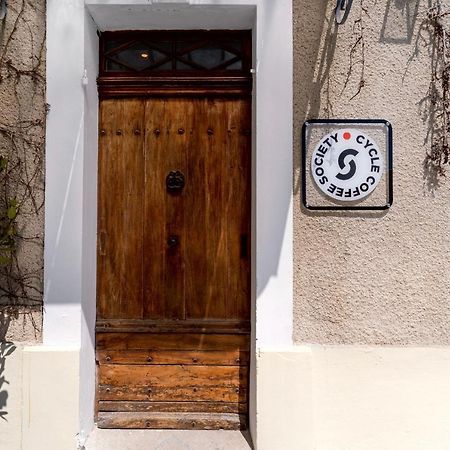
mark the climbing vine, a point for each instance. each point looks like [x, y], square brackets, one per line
[357, 52]
[22, 132]
[438, 93]
[7, 222]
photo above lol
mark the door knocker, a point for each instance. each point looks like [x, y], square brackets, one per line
[175, 181]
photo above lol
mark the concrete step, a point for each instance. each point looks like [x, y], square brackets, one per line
[167, 440]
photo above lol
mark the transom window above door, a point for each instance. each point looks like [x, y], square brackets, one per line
[187, 53]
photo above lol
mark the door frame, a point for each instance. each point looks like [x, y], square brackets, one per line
[71, 144]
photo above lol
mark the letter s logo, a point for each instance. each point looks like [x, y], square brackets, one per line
[352, 165]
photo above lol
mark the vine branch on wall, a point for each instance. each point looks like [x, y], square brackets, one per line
[22, 134]
[438, 93]
[357, 53]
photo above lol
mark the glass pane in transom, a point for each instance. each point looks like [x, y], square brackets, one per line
[208, 57]
[139, 56]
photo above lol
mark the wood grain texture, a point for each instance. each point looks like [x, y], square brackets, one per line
[119, 289]
[165, 420]
[173, 321]
[196, 287]
[184, 357]
[165, 383]
[213, 303]
[228, 326]
[114, 89]
[203, 407]
[239, 210]
[171, 341]
[173, 393]
[206, 274]
[170, 375]
[169, 124]
[218, 199]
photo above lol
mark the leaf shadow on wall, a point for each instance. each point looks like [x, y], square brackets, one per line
[430, 106]
[313, 60]
[6, 349]
[399, 27]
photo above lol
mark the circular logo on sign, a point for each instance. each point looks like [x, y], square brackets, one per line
[347, 165]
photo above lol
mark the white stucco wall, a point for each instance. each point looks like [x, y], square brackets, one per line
[89, 236]
[64, 173]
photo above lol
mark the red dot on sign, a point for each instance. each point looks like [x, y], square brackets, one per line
[347, 135]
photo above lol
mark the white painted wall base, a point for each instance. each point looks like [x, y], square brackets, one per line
[309, 398]
[11, 399]
[354, 398]
[42, 399]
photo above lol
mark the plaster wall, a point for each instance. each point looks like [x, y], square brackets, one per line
[371, 278]
[22, 143]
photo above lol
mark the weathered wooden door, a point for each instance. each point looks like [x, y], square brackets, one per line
[173, 302]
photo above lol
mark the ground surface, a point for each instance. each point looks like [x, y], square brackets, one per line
[167, 440]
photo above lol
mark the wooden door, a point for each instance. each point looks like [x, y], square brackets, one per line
[173, 295]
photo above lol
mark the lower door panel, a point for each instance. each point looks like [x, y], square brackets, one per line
[172, 380]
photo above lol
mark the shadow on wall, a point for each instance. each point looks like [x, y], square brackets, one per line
[312, 79]
[431, 105]
[399, 21]
[6, 349]
[312, 75]
[271, 235]
[431, 112]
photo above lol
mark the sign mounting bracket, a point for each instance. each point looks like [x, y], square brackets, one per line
[323, 198]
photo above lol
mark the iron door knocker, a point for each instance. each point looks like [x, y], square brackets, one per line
[175, 181]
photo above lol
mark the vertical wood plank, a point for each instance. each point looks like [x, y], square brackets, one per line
[196, 227]
[216, 183]
[120, 210]
[154, 209]
[178, 121]
[106, 126]
[219, 224]
[166, 151]
[239, 204]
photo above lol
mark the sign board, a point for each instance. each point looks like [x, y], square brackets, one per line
[347, 162]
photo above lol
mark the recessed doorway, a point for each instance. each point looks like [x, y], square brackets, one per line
[174, 230]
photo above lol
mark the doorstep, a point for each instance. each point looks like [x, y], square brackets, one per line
[104, 439]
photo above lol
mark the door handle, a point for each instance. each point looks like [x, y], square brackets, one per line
[244, 246]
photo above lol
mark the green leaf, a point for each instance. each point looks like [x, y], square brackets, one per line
[4, 260]
[3, 163]
[11, 231]
[12, 212]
